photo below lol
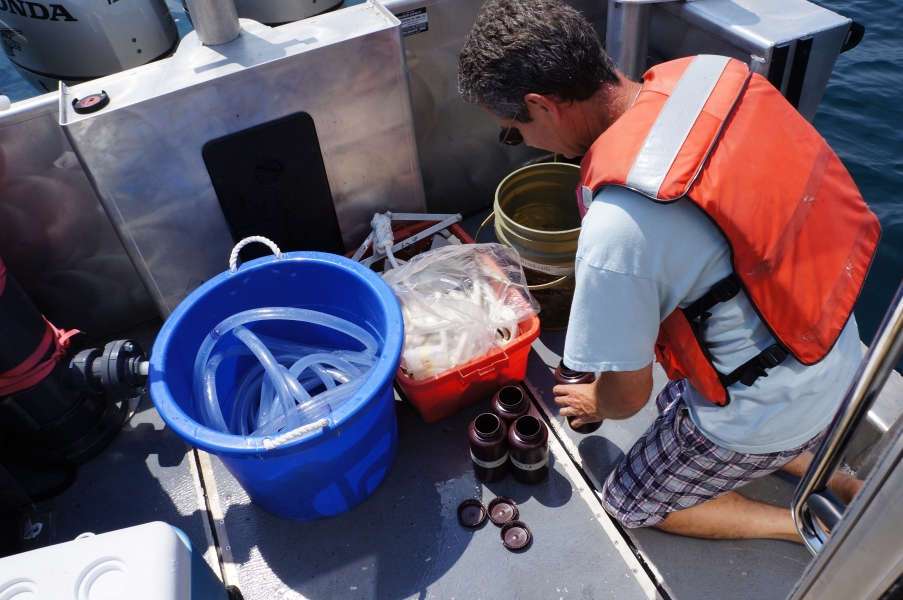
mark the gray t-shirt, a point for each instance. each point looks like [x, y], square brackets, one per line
[637, 260]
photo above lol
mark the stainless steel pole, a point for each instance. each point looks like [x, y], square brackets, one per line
[627, 36]
[876, 367]
[216, 21]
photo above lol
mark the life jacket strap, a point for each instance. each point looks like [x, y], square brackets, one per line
[756, 367]
[751, 370]
[722, 291]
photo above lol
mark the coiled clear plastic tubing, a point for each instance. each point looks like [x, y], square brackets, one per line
[272, 397]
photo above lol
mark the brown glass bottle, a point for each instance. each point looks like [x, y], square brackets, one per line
[565, 376]
[489, 447]
[510, 404]
[528, 440]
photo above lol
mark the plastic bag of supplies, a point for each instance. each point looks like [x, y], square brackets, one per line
[458, 302]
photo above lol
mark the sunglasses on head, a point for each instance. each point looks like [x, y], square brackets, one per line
[511, 136]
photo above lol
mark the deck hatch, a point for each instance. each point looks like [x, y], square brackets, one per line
[270, 180]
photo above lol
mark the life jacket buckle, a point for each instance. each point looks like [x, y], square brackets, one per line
[750, 371]
[725, 290]
[772, 356]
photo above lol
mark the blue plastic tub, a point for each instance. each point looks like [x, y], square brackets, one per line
[322, 473]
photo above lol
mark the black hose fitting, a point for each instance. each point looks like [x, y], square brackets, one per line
[120, 370]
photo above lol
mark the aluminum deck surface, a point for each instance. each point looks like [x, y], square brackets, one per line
[404, 541]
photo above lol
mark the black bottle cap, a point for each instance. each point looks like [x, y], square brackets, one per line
[502, 510]
[471, 513]
[515, 535]
[90, 103]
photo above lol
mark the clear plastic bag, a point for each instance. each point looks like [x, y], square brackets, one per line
[458, 302]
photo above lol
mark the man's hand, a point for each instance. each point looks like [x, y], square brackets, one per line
[615, 395]
[578, 403]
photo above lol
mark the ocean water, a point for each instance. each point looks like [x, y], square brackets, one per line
[861, 116]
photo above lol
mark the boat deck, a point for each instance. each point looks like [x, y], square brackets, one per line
[404, 541]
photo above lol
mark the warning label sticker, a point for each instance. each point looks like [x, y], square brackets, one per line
[413, 21]
[549, 269]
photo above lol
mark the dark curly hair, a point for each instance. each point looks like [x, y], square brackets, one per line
[517, 47]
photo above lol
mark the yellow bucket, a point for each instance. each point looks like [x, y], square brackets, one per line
[536, 213]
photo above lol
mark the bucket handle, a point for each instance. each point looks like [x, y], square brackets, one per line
[483, 226]
[551, 284]
[233, 259]
[285, 438]
[532, 288]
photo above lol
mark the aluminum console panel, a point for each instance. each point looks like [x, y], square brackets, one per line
[142, 152]
[54, 237]
[794, 43]
[463, 162]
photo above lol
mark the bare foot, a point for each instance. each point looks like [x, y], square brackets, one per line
[844, 486]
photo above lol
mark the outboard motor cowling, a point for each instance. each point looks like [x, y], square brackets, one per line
[79, 40]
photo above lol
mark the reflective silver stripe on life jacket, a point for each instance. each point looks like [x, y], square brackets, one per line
[587, 197]
[674, 122]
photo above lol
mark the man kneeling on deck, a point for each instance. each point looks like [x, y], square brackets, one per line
[721, 235]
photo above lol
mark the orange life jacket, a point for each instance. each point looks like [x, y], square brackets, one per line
[800, 234]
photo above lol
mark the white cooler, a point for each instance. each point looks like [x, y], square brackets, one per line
[154, 561]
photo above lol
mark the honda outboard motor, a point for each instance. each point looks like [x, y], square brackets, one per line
[78, 40]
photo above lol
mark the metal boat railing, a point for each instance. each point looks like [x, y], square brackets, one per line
[812, 498]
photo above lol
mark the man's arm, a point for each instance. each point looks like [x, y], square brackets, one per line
[614, 395]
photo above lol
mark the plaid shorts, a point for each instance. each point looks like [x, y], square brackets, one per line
[674, 466]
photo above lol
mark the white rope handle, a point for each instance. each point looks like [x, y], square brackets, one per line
[233, 259]
[384, 238]
[294, 434]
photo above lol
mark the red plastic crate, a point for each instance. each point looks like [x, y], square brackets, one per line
[448, 392]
